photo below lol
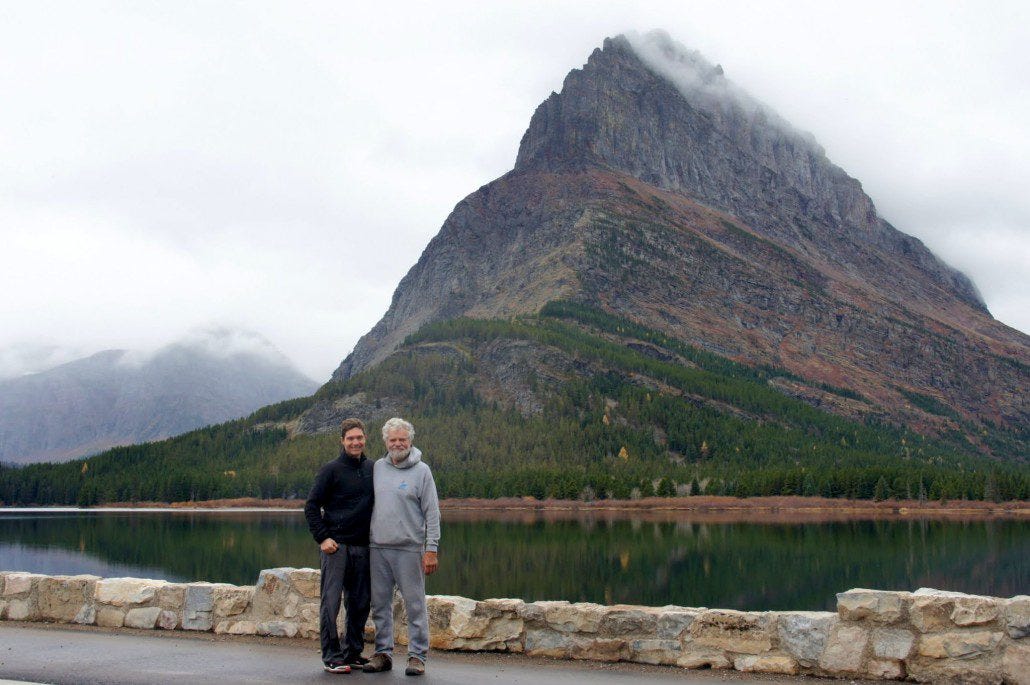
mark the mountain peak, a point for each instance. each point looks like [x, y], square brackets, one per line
[654, 188]
[646, 106]
[117, 397]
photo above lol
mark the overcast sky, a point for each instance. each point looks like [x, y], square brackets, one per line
[279, 166]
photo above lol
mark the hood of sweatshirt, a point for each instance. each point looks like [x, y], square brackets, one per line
[414, 457]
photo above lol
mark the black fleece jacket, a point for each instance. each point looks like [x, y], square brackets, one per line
[340, 503]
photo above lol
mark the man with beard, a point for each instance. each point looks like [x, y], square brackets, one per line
[404, 538]
[339, 510]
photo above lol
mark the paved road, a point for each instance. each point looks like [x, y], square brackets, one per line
[67, 655]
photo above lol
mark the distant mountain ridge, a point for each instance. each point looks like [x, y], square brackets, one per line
[655, 189]
[117, 397]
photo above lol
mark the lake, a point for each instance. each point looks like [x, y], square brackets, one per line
[609, 560]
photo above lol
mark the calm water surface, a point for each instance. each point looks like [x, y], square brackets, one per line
[730, 565]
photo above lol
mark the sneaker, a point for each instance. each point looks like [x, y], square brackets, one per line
[378, 663]
[357, 660]
[415, 666]
[336, 666]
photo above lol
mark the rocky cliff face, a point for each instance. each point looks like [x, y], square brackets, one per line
[655, 111]
[654, 188]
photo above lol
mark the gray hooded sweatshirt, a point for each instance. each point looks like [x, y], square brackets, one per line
[406, 514]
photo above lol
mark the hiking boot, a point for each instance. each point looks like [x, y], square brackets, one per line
[378, 663]
[335, 666]
[415, 666]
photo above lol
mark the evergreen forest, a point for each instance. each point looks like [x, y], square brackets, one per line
[582, 405]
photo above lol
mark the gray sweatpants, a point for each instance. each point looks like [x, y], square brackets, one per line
[403, 569]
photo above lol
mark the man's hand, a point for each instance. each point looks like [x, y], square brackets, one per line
[429, 563]
[329, 546]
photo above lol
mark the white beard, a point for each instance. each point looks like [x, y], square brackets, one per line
[400, 456]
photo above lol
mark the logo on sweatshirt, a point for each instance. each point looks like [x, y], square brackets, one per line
[403, 485]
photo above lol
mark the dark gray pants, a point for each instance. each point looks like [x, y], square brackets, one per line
[345, 572]
[403, 570]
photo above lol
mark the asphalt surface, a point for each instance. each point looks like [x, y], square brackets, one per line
[67, 655]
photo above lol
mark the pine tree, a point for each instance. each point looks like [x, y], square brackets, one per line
[881, 491]
[991, 488]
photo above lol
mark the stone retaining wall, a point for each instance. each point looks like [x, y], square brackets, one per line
[926, 636]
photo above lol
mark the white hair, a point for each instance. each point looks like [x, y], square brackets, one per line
[398, 424]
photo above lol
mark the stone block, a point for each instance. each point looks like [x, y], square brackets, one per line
[229, 627]
[628, 622]
[671, 624]
[447, 610]
[975, 611]
[276, 629]
[886, 669]
[1017, 617]
[291, 607]
[400, 620]
[18, 583]
[845, 650]
[462, 623]
[306, 582]
[198, 608]
[143, 617]
[947, 671]
[308, 629]
[271, 593]
[892, 643]
[110, 617]
[966, 644]
[230, 600]
[803, 634]
[172, 597]
[734, 631]
[752, 663]
[534, 612]
[168, 620]
[1015, 663]
[3, 609]
[931, 612]
[655, 651]
[879, 606]
[21, 610]
[124, 592]
[936, 610]
[87, 615]
[62, 598]
[547, 642]
[575, 618]
[309, 612]
[599, 649]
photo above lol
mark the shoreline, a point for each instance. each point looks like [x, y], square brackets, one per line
[701, 509]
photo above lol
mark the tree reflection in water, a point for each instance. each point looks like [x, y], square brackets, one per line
[757, 566]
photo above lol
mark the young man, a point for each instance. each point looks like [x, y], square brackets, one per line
[404, 538]
[339, 510]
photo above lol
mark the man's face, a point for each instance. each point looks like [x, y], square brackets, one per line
[354, 442]
[397, 440]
